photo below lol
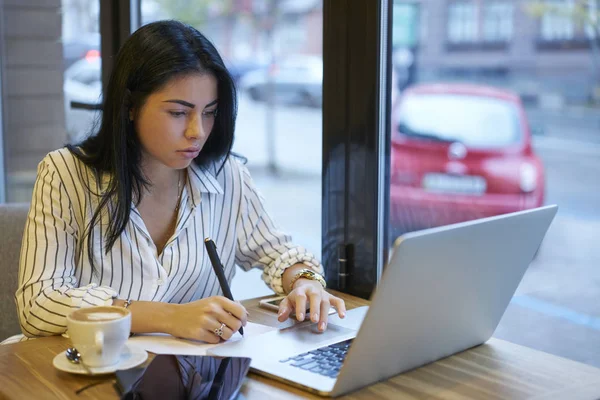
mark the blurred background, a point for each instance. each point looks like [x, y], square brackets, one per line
[495, 108]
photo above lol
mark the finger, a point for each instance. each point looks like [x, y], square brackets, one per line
[284, 310]
[230, 320]
[315, 309]
[324, 313]
[340, 305]
[207, 334]
[210, 337]
[227, 331]
[234, 308]
[300, 306]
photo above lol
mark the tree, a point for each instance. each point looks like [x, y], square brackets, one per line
[585, 15]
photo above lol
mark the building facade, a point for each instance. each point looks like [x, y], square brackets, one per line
[548, 58]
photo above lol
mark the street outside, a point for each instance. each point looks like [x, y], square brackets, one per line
[556, 308]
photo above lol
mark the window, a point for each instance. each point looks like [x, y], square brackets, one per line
[480, 22]
[568, 24]
[497, 22]
[594, 19]
[462, 23]
[406, 17]
[477, 135]
[273, 49]
[82, 81]
[556, 23]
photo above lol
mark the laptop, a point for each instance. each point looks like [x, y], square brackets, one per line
[444, 290]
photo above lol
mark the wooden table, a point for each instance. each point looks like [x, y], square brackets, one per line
[494, 370]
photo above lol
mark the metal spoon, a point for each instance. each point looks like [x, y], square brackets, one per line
[75, 358]
[73, 355]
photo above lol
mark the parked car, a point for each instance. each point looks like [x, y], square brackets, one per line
[82, 83]
[239, 68]
[75, 49]
[296, 80]
[460, 152]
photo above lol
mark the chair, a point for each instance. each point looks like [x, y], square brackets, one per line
[12, 225]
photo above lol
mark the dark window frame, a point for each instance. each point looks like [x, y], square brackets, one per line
[356, 142]
[118, 19]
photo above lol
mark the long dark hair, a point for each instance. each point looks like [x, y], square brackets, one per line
[155, 54]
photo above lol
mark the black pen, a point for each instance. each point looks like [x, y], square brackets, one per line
[211, 248]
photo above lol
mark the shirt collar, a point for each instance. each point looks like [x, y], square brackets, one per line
[203, 180]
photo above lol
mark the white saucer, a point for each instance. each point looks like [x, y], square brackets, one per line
[131, 357]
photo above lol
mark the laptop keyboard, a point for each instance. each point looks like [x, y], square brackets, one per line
[325, 361]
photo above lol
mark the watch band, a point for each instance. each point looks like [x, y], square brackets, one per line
[307, 273]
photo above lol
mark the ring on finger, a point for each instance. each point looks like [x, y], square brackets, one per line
[219, 331]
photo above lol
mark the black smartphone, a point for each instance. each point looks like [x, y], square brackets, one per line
[184, 377]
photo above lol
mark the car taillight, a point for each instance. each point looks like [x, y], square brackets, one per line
[92, 55]
[528, 177]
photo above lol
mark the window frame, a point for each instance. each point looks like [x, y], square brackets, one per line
[118, 20]
[356, 142]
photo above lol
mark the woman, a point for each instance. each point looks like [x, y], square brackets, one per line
[121, 218]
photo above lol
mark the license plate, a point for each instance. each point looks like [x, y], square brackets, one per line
[460, 184]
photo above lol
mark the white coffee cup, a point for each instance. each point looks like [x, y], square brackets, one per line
[99, 333]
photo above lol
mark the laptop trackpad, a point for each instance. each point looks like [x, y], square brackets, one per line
[311, 334]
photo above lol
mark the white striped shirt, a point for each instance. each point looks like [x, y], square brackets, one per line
[55, 275]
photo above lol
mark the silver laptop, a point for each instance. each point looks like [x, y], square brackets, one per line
[444, 290]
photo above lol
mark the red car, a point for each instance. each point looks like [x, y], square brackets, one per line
[460, 152]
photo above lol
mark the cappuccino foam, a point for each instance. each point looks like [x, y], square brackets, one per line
[98, 314]
[103, 316]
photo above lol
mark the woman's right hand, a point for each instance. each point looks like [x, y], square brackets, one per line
[199, 319]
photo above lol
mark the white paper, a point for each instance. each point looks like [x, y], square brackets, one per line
[160, 343]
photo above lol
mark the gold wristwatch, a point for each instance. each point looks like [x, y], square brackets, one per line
[307, 273]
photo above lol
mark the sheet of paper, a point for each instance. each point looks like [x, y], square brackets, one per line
[160, 343]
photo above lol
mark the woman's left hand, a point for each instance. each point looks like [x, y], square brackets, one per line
[309, 292]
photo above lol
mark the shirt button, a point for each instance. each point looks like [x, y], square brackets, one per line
[160, 281]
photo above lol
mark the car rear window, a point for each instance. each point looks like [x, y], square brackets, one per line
[475, 121]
